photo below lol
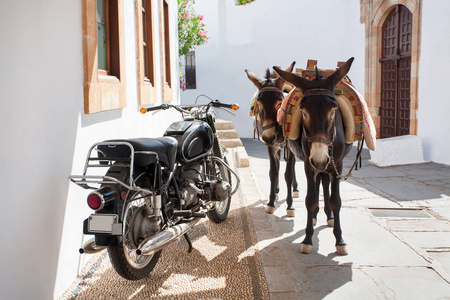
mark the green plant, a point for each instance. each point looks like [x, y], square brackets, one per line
[191, 29]
[243, 2]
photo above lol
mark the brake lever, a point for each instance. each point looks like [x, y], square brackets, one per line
[228, 110]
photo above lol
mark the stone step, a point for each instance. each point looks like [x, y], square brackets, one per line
[242, 157]
[227, 134]
[224, 125]
[231, 143]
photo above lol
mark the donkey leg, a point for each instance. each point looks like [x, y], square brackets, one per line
[296, 193]
[311, 204]
[326, 198]
[274, 159]
[335, 205]
[289, 177]
[316, 210]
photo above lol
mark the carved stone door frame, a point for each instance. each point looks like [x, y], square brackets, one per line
[373, 14]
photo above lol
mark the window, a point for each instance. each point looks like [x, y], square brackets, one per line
[146, 54]
[190, 71]
[103, 55]
[147, 40]
[165, 43]
[102, 35]
[108, 38]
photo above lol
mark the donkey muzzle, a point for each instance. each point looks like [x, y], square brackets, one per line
[319, 157]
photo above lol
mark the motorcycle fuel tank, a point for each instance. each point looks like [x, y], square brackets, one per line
[195, 138]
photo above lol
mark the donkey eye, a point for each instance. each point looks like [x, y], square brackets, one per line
[304, 115]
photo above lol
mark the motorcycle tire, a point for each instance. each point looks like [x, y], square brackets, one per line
[122, 255]
[220, 210]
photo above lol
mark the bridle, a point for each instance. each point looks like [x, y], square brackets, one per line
[319, 139]
[260, 92]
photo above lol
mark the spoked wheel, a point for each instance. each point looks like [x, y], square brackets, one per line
[137, 226]
[221, 208]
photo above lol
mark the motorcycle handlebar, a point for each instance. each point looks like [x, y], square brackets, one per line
[217, 103]
[214, 103]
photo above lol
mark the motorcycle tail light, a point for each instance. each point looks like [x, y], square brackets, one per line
[95, 201]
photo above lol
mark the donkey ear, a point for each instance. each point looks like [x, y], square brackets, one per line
[281, 83]
[296, 80]
[340, 73]
[291, 67]
[253, 78]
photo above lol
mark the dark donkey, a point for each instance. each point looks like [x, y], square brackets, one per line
[270, 95]
[321, 145]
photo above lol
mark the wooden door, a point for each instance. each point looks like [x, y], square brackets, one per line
[396, 73]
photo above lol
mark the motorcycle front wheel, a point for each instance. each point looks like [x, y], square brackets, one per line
[220, 210]
[137, 227]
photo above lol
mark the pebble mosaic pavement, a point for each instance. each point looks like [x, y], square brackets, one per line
[225, 264]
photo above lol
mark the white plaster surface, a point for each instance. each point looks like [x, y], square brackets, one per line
[46, 135]
[269, 33]
[401, 150]
[434, 102]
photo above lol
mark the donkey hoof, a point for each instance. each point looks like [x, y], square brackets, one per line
[305, 248]
[330, 223]
[276, 198]
[341, 250]
[314, 222]
[296, 194]
[270, 209]
[290, 212]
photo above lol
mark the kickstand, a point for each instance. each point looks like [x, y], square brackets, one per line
[188, 240]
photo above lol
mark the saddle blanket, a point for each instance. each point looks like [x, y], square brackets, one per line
[353, 108]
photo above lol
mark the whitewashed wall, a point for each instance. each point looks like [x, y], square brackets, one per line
[434, 99]
[45, 137]
[267, 33]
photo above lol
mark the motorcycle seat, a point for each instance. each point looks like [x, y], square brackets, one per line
[165, 147]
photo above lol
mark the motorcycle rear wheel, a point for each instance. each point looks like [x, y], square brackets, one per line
[122, 254]
[220, 210]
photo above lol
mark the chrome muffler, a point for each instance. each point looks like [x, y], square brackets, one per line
[90, 247]
[155, 243]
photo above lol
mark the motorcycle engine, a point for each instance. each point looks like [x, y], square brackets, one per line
[196, 186]
[192, 176]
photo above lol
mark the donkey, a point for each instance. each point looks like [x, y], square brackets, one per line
[321, 145]
[270, 95]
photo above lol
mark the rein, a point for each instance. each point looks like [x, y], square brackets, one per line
[318, 139]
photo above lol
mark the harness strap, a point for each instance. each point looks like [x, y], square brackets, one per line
[319, 92]
[355, 164]
[268, 126]
[318, 139]
[270, 89]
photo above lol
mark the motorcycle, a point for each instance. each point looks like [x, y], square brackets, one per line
[155, 189]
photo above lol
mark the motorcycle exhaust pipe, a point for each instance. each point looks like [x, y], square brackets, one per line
[90, 247]
[155, 243]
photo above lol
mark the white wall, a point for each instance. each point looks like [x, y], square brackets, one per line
[434, 99]
[45, 137]
[267, 33]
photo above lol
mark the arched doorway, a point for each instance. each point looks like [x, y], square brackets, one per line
[396, 73]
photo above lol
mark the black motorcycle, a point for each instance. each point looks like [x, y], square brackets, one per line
[156, 189]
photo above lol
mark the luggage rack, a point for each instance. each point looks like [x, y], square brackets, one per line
[86, 181]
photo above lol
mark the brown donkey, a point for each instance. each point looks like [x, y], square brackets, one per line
[270, 95]
[321, 145]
